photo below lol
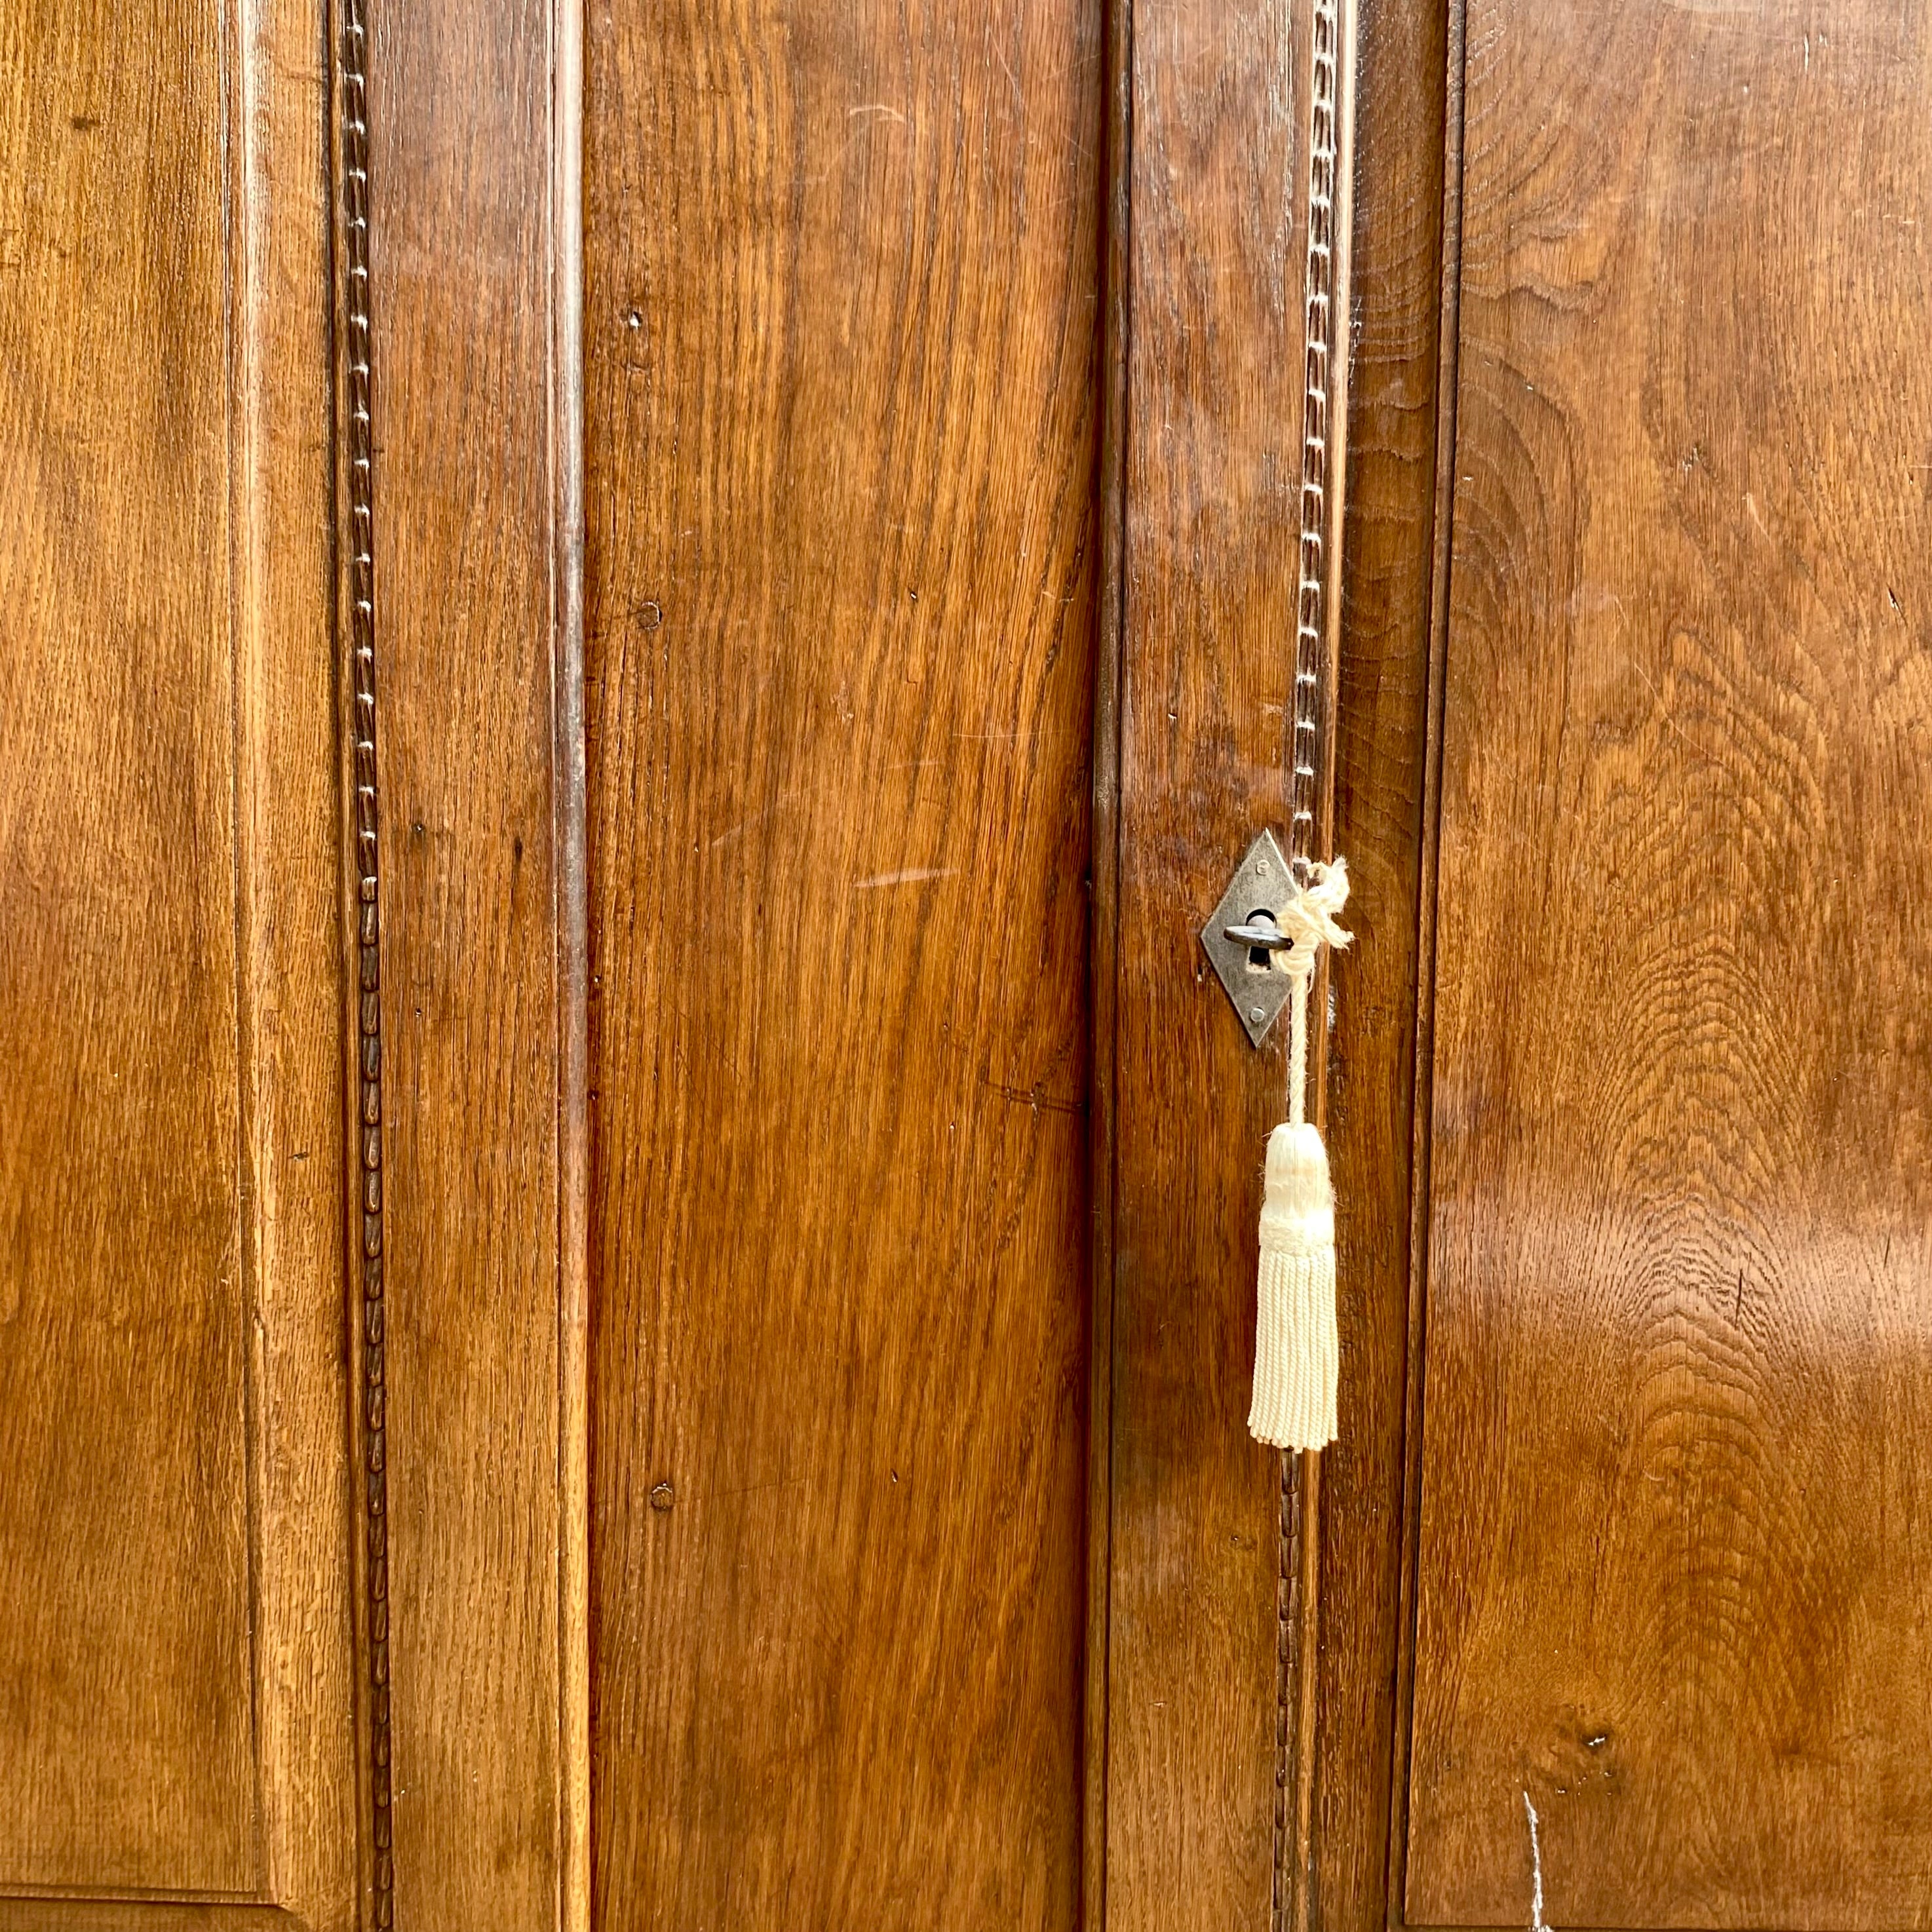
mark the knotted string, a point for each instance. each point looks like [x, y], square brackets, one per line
[1308, 919]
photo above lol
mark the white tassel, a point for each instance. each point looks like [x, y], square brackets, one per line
[1297, 1353]
[1297, 1350]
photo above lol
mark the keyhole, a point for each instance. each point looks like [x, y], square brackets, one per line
[1260, 960]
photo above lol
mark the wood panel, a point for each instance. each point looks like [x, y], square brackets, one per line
[1217, 246]
[840, 313]
[1674, 1558]
[176, 1712]
[472, 245]
[136, 1319]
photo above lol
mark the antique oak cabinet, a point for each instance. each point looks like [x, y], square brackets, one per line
[634, 638]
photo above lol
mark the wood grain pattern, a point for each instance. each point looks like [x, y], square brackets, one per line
[138, 1320]
[175, 1686]
[841, 297]
[1216, 376]
[470, 637]
[1674, 1559]
[194, 1097]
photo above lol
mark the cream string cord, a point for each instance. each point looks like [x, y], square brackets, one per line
[1297, 1351]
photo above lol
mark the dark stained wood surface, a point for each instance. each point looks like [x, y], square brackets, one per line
[471, 626]
[1675, 1557]
[176, 1708]
[841, 319]
[1213, 473]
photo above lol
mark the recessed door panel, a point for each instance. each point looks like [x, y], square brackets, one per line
[1675, 1543]
[176, 1713]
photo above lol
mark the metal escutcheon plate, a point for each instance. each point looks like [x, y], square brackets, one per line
[1254, 977]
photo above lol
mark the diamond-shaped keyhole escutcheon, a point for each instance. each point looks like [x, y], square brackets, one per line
[1239, 932]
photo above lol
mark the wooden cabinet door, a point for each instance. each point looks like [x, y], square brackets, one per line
[634, 642]
[1623, 1569]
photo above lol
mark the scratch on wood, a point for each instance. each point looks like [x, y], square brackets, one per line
[1536, 1920]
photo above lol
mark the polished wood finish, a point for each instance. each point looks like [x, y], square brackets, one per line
[176, 1720]
[841, 319]
[1197, 1704]
[473, 547]
[193, 1027]
[1674, 1557]
[944, 433]
[145, 705]
[198, 1017]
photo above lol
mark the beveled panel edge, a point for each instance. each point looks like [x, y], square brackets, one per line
[569, 808]
[1422, 1085]
[1115, 267]
[22, 1914]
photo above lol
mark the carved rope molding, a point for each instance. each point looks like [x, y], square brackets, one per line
[361, 636]
[1323, 115]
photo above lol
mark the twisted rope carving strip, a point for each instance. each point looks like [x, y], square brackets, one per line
[362, 647]
[1287, 1610]
[1319, 326]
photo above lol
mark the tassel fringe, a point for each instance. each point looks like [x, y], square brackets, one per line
[1297, 1345]
[1297, 1349]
